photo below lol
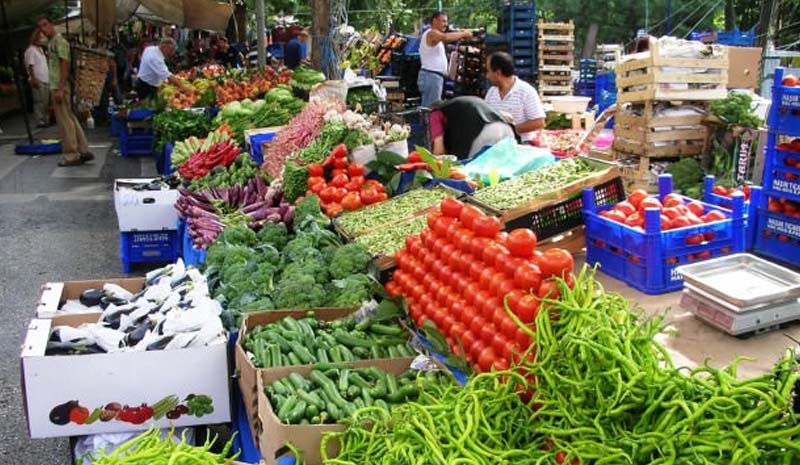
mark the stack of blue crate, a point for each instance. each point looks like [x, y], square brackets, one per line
[587, 78]
[519, 23]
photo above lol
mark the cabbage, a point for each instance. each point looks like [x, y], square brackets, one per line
[247, 103]
[231, 109]
[259, 104]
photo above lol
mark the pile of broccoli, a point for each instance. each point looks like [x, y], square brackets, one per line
[279, 269]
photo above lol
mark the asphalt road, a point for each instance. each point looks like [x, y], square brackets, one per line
[56, 224]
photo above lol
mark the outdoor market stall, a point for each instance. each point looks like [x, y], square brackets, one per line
[381, 304]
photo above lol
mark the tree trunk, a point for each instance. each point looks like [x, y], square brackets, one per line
[320, 28]
[240, 17]
[730, 15]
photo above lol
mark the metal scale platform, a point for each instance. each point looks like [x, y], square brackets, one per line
[741, 294]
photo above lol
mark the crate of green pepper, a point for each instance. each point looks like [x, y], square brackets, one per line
[300, 405]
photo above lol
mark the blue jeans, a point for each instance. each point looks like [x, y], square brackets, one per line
[430, 87]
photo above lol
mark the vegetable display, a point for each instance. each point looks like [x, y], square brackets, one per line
[304, 78]
[783, 206]
[516, 191]
[332, 393]
[275, 269]
[594, 387]
[151, 449]
[249, 114]
[331, 135]
[309, 340]
[301, 131]
[208, 212]
[202, 162]
[185, 148]
[793, 146]
[729, 191]
[457, 272]
[341, 185]
[687, 177]
[238, 173]
[392, 211]
[736, 110]
[361, 96]
[173, 126]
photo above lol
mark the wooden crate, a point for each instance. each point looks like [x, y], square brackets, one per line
[648, 69]
[639, 177]
[545, 26]
[640, 135]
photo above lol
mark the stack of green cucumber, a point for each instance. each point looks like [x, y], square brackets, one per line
[333, 393]
[306, 341]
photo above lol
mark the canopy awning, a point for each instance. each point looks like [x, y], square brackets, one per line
[193, 14]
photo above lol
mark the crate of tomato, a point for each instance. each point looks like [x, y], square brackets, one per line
[778, 230]
[723, 197]
[782, 168]
[642, 240]
[784, 115]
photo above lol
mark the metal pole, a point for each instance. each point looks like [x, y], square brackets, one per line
[17, 77]
[669, 17]
[262, 34]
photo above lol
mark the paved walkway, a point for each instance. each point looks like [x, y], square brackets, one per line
[56, 224]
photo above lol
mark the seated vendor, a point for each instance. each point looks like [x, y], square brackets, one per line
[464, 125]
[512, 96]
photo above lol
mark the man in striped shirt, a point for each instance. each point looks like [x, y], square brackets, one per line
[512, 96]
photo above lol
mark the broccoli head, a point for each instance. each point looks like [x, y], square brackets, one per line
[264, 303]
[274, 234]
[349, 259]
[299, 248]
[299, 292]
[240, 235]
[312, 266]
[308, 212]
[353, 290]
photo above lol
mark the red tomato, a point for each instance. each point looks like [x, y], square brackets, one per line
[635, 220]
[488, 332]
[338, 172]
[501, 238]
[486, 359]
[475, 269]
[317, 188]
[521, 242]
[693, 219]
[338, 194]
[486, 226]
[340, 163]
[464, 240]
[313, 180]
[316, 169]
[500, 344]
[356, 183]
[477, 324]
[431, 219]
[680, 222]
[549, 290]
[453, 231]
[666, 224]
[555, 262]
[485, 279]
[703, 255]
[790, 81]
[451, 207]
[442, 225]
[478, 245]
[493, 253]
[468, 338]
[355, 169]
[326, 194]
[528, 277]
[499, 314]
[527, 309]
[626, 208]
[333, 209]
[673, 200]
[509, 265]
[506, 286]
[615, 216]
[351, 201]
[712, 216]
[696, 208]
[468, 215]
[695, 239]
[709, 236]
[508, 327]
[370, 196]
[650, 202]
[671, 212]
[467, 315]
[447, 324]
[470, 292]
[637, 196]
[414, 244]
[489, 306]
[522, 339]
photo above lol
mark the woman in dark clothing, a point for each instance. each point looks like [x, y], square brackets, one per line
[464, 125]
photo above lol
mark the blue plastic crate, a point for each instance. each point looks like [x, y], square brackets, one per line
[181, 229]
[117, 126]
[164, 160]
[255, 144]
[781, 179]
[778, 237]
[648, 260]
[139, 115]
[522, 33]
[192, 256]
[136, 145]
[750, 208]
[523, 43]
[784, 114]
[147, 246]
[523, 62]
[737, 38]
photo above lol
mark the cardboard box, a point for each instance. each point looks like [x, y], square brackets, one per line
[144, 210]
[130, 378]
[274, 435]
[247, 372]
[54, 295]
[744, 67]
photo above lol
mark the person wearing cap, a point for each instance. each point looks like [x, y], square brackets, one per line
[294, 52]
[153, 69]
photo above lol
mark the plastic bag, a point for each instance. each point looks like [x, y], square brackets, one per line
[507, 159]
[329, 90]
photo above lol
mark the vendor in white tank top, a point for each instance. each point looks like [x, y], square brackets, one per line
[433, 57]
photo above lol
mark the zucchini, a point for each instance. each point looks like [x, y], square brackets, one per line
[329, 388]
[298, 381]
[302, 353]
[312, 411]
[335, 355]
[343, 381]
[279, 388]
[311, 398]
[293, 359]
[393, 353]
[297, 413]
[322, 355]
[346, 354]
[286, 408]
[361, 353]
[391, 385]
[275, 354]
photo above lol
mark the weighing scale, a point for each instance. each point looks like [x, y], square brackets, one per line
[741, 294]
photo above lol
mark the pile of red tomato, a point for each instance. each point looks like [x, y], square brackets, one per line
[729, 191]
[790, 81]
[457, 273]
[675, 213]
[784, 207]
[340, 184]
[793, 146]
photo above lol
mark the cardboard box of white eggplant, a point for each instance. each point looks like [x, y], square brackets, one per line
[144, 204]
[154, 358]
[61, 299]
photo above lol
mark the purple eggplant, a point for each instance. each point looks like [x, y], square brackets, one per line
[288, 217]
[252, 208]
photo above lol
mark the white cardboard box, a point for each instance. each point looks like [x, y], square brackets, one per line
[144, 210]
[130, 378]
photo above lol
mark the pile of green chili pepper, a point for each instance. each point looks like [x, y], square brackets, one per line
[150, 448]
[598, 390]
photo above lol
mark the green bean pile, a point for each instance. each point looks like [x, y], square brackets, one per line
[605, 393]
[516, 191]
[393, 210]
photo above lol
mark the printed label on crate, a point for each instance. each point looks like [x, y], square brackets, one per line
[788, 187]
[675, 276]
[743, 154]
[782, 227]
[790, 100]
